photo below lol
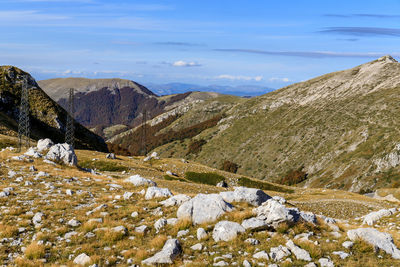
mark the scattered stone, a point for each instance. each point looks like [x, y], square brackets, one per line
[127, 195]
[373, 217]
[222, 184]
[278, 253]
[252, 241]
[120, 229]
[262, 255]
[172, 249]
[201, 234]
[341, 254]
[156, 192]
[246, 263]
[175, 200]
[111, 156]
[198, 246]
[134, 214]
[159, 224]
[325, 262]
[74, 223]
[203, 208]
[69, 192]
[82, 259]
[348, 244]
[141, 229]
[301, 254]
[33, 153]
[378, 239]
[172, 221]
[226, 231]
[138, 180]
[37, 219]
[252, 196]
[182, 233]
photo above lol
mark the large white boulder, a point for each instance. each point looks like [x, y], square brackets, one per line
[204, 208]
[31, 152]
[375, 216]
[379, 240]
[275, 213]
[44, 144]
[252, 196]
[138, 180]
[255, 224]
[64, 153]
[226, 231]
[156, 192]
[175, 200]
[172, 249]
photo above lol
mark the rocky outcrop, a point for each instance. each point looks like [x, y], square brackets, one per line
[375, 216]
[138, 180]
[379, 240]
[156, 192]
[175, 200]
[204, 208]
[62, 153]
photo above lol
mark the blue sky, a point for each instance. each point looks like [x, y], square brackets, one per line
[260, 42]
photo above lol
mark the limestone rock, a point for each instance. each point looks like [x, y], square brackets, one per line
[172, 249]
[82, 259]
[64, 153]
[252, 196]
[254, 224]
[275, 213]
[175, 200]
[44, 144]
[156, 192]
[301, 254]
[278, 253]
[226, 231]
[373, 217]
[261, 255]
[138, 180]
[204, 208]
[378, 239]
[201, 234]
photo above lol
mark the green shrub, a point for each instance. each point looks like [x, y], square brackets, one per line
[101, 165]
[243, 181]
[172, 178]
[204, 178]
[230, 166]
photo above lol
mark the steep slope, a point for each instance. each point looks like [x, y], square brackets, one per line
[340, 129]
[47, 117]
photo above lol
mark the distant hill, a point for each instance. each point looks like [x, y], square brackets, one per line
[48, 119]
[339, 130]
[104, 103]
[177, 88]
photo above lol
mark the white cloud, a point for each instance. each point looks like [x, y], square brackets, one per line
[240, 77]
[182, 63]
[275, 79]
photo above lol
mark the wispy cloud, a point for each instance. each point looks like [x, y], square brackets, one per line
[239, 77]
[379, 16]
[28, 15]
[275, 79]
[362, 31]
[177, 44]
[181, 63]
[307, 54]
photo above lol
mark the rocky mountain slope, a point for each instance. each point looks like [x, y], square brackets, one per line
[339, 130]
[47, 118]
[128, 211]
[103, 103]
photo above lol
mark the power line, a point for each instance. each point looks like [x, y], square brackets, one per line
[143, 136]
[23, 122]
[70, 131]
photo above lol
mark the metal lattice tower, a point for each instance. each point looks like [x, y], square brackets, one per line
[70, 131]
[23, 123]
[143, 137]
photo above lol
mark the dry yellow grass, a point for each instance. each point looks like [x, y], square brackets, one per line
[35, 251]
[8, 230]
[158, 241]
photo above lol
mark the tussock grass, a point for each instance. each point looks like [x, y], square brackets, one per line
[35, 251]
[8, 230]
[158, 241]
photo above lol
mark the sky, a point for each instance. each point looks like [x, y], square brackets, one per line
[257, 42]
